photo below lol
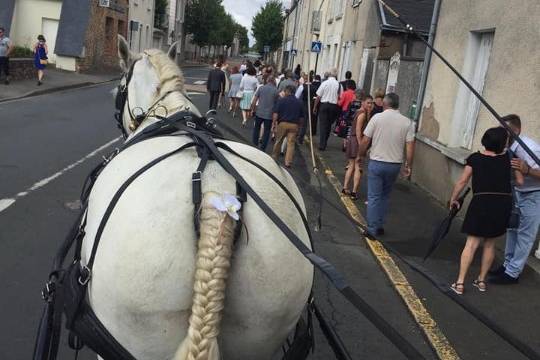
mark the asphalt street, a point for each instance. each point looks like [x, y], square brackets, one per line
[47, 146]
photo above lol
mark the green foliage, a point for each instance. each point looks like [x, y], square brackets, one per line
[267, 25]
[242, 34]
[203, 20]
[210, 24]
[160, 14]
[21, 52]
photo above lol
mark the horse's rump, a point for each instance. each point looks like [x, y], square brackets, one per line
[141, 286]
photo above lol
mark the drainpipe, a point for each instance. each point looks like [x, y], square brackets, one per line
[427, 62]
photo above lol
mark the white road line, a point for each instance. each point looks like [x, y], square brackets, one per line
[200, 82]
[5, 203]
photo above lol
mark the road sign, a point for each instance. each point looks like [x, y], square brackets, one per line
[316, 46]
[266, 49]
[294, 52]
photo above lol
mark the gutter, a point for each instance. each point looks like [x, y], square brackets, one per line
[427, 63]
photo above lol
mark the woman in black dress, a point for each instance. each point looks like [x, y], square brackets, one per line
[489, 211]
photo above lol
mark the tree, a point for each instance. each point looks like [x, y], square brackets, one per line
[267, 26]
[201, 20]
[242, 35]
[160, 12]
[210, 24]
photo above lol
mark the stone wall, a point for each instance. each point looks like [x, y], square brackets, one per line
[21, 69]
[100, 46]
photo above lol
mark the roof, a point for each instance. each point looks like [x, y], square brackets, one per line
[417, 13]
[6, 14]
[74, 19]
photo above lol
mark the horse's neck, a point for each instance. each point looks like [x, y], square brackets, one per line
[171, 104]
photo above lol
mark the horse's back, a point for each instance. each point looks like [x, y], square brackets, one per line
[142, 280]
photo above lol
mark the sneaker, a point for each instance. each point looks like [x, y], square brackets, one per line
[537, 254]
[503, 279]
[498, 271]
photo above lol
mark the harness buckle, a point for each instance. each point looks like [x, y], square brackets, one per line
[196, 176]
[107, 159]
[48, 290]
[191, 124]
[85, 276]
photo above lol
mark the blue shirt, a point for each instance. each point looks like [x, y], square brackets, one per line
[289, 109]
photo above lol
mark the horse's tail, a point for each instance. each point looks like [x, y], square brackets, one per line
[211, 272]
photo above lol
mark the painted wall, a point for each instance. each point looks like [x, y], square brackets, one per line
[28, 21]
[513, 78]
[333, 20]
[512, 82]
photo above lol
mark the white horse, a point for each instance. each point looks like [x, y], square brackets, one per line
[149, 258]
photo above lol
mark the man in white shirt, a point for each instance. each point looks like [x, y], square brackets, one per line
[520, 241]
[327, 97]
[388, 133]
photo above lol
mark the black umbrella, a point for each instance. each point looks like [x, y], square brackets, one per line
[442, 230]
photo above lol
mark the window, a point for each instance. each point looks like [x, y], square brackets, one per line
[122, 28]
[109, 36]
[467, 106]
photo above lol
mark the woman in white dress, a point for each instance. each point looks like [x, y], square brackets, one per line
[234, 96]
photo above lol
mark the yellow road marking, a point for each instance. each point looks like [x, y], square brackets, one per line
[423, 318]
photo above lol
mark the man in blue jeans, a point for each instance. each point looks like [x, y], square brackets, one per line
[388, 133]
[520, 241]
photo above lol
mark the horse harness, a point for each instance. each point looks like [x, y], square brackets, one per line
[65, 291]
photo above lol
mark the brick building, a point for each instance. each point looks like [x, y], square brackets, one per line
[87, 34]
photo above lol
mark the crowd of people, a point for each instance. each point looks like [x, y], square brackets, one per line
[505, 179]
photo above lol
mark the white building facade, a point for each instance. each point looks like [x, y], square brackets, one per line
[141, 25]
[32, 18]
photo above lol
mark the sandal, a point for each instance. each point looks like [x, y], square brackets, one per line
[354, 196]
[458, 288]
[345, 192]
[480, 285]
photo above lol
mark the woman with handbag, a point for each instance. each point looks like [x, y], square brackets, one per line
[40, 57]
[488, 215]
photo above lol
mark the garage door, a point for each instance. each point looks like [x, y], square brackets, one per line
[49, 29]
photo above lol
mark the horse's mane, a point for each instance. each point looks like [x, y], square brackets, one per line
[170, 76]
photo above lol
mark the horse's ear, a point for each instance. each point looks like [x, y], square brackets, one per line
[172, 51]
[123, 53]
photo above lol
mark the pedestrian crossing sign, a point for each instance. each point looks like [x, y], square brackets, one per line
[316, 46]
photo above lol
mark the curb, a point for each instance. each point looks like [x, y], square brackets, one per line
[58, 89]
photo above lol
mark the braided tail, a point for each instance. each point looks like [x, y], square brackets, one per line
[212, 270]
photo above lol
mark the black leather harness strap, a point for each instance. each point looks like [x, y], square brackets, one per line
[335, 277]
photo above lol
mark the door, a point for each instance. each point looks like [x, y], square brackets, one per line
[49, 29]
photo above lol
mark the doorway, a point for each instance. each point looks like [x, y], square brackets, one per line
[49, 29]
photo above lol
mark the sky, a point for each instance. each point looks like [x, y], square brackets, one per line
[243, 12]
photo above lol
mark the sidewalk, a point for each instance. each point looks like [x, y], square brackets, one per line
[54, 80]
[413, 216]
